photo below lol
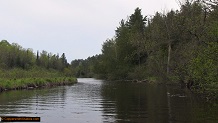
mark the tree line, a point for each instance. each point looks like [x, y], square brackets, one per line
[13, 56]
[178, 46]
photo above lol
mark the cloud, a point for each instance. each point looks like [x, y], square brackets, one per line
[76, 27]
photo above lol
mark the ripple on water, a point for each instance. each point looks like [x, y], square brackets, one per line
[96, 101]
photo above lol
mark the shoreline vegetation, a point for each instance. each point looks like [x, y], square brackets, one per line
[21, 68]
[175, 47]
[31, 83]
[36, 77]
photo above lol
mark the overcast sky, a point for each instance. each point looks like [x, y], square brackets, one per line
[77, 28]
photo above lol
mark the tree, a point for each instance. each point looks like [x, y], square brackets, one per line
[64, 60]
[109, 56]
[136, 24]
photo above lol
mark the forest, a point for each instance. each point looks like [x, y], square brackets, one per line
[22, 68]
[175, 47]
[14, 57]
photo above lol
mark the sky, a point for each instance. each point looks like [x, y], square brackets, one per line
[77, 28]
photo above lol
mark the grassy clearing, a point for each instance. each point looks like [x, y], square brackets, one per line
[15, 79]
[35, 72]
[25, 83]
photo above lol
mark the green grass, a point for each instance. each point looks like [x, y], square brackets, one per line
[14, 79]
[24, 83]
[36, 72]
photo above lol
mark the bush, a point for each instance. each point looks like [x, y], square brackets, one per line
[204, 68]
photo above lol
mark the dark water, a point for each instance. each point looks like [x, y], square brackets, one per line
[96, 101]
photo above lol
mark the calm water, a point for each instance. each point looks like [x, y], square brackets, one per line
[96, 101]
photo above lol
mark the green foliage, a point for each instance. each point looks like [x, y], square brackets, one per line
[21, 68]
[34, 72]
[139, 73]
[14, 56]
[26, 83]
[86, 68]
[175, 47]
[204, 68]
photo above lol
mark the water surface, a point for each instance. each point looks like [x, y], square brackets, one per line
[97, 101]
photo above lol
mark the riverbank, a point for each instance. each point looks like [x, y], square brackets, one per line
[31, 83]
[208, 93]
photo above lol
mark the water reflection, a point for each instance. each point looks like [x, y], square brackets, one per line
[99, 101]
[135, 102]
[130, 102]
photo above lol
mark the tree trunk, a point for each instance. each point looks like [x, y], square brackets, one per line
[168, 59]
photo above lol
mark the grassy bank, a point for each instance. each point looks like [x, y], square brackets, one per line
[35, 72]
[29, 83]
[15, 79]
[21, 68]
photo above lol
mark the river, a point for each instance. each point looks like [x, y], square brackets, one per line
[98, 101]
